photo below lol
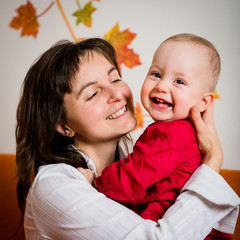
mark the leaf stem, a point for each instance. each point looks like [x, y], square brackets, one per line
[78, 4]
[66, 21]
[47, 9]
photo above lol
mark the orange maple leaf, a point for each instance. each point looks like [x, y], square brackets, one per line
[26, 19]
[138, 116]
[120, 41]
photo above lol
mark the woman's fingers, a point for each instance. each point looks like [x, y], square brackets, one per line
[207, 116]
[201, 119]
[82, 170]
[88, 174]
[196, 118]
[208, 139]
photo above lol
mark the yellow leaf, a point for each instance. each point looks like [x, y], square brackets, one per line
[84, 15]
[216, 96]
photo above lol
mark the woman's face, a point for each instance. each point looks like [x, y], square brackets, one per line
[100, 107]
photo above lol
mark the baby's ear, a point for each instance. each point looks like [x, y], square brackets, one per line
[206, 101]
[65, 130]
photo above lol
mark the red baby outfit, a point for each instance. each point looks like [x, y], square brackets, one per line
[149, 180]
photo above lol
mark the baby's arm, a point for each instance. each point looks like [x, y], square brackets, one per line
[160, 150]
[89, 175]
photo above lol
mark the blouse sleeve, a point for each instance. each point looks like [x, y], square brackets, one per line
[63, 205]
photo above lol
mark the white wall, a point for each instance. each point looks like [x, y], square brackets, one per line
[152, 21]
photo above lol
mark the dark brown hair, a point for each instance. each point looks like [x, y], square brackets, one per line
[40, 109]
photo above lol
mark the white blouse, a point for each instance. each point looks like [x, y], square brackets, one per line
[61, 204]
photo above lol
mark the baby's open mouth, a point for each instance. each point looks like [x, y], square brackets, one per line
[161, 102]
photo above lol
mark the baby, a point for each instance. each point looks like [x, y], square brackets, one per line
[184, 72]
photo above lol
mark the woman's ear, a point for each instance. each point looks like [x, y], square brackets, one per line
[65, 130]
[206, 101]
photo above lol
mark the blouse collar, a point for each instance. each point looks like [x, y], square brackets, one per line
[88, 160]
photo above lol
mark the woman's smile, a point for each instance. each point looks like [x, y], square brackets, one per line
[118, 113]
[109, 107]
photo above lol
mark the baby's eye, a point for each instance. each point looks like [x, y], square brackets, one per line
[155, 74]
[179, 81]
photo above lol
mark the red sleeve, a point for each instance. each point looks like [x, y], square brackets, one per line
[157, 153]
[214, 234]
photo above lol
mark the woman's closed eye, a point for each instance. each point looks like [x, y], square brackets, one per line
[117, 80]
[92, 95]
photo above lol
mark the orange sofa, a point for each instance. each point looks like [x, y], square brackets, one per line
[10, 214]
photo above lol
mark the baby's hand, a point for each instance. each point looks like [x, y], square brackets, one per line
[88, 174]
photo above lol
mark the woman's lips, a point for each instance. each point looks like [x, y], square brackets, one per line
[117, 113]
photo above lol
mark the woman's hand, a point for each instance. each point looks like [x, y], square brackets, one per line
[89, 175]
[208, 139]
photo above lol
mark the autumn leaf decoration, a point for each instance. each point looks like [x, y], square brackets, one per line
[84, 14]
[120, 41]
[216, 95]
[138, 116]
[27, 19]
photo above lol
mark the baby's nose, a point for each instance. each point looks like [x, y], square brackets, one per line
[163, 86]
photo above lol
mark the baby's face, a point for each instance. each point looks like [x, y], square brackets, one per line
[178, 78]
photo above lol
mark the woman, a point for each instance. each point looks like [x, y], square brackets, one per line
[75, 111]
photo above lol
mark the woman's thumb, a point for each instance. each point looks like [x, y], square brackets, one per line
[196, 118]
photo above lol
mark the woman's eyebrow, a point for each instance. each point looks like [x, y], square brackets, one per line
[86, 86]
[111, 70]
[94, 82]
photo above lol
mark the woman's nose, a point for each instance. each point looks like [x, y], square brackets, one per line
[114, 94]
[162, 86]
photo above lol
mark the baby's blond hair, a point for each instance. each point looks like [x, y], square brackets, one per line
[214, 55]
